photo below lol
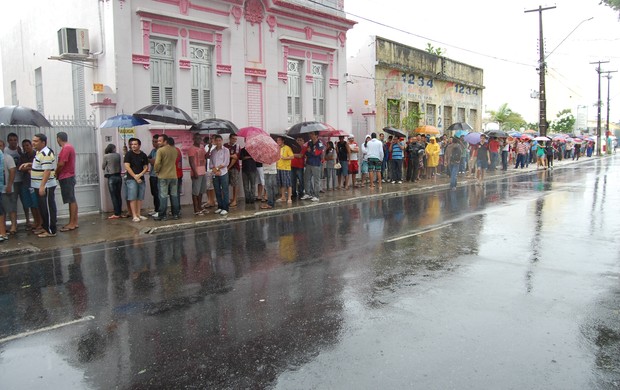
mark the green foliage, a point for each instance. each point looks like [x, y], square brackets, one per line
[435, 50]
[565, 122]
[506, 118]
[393, 113]
[532, 125]
[614, 4]
[412, 120]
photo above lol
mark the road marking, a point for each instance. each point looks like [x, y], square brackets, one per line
[47, 328]
[420, 232]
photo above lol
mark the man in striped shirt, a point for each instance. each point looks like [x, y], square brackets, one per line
[43, 181]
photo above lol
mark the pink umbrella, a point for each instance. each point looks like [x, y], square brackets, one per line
[247, 132]
[263, 148]
[333, 133]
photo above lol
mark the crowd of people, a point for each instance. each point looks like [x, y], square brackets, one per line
[31, 172]
[306, 169]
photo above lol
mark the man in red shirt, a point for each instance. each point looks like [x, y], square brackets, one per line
[198, 167]
[65, 172]
[494, 146]
[297, 170]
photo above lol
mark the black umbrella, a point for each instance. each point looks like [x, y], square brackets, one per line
[459, 126]
[497, 133]
[288, 140]
[164, 113]
[395, 132]
[22, 116]
[308, 127]
[214, 125]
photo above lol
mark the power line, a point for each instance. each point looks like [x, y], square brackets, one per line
[422, 36]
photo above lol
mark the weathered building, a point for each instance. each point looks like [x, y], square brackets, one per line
[391, 84]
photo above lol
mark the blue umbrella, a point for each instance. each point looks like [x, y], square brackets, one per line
[123, 121]
[460, 133]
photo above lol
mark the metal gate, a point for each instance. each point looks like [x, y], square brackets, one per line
[81, 135]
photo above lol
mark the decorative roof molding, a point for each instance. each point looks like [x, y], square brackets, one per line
[182, 20]
[305, 43]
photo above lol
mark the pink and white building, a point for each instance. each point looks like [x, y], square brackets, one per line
[263, 63]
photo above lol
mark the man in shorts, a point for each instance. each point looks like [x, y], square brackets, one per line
[375, 159]
[353, 161]
[65, 172]
[198, 172]
[136, 164]
[483, 159]
[209, 146]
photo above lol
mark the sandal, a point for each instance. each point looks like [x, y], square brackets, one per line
[265, 206]
[4, 238]
[46, 234]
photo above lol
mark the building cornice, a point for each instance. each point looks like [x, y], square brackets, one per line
[179, 19]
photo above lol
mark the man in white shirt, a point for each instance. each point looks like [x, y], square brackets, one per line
[375, 159]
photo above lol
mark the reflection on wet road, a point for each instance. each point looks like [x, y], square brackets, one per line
[514, 285]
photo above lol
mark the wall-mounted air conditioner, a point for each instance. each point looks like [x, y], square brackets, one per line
[73, 41]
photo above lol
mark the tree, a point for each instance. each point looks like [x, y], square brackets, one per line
[506, 118]
[565, 122]
[614, 4]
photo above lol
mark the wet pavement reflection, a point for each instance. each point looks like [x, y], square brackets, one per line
[510, 285]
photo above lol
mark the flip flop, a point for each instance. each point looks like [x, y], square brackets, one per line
[264, 207]
[67, 229]
[45, 235]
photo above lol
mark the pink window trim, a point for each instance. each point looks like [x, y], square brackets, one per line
[255, 72]
[165, 30]
[201, 36]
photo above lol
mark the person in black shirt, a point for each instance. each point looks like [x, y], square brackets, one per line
[249, 174]
[136, 165]
[483, 159]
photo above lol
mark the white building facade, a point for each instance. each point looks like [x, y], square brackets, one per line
[263, 63]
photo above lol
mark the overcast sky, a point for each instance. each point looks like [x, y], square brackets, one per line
[500, 38]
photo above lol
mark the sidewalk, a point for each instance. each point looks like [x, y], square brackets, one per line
[96, 228]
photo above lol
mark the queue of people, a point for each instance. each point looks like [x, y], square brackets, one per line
[31, 172]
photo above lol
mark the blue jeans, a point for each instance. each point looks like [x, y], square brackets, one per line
[454, 171]
[220, 185]
[494, 160]
[271, 186]
[115, 184]
[168, 187]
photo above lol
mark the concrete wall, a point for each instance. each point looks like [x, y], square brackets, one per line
[399, 72]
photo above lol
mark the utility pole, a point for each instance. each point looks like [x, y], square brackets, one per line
[608, 76]
[541, 69]
[598, 107]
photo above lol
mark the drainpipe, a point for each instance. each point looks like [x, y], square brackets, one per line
[101, 30]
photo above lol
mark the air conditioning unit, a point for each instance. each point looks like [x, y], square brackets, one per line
[73, 41]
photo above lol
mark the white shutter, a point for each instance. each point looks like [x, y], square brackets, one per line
[294, 92]
[201, 93]
[162, 72]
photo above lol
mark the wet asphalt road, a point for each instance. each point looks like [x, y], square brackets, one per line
[511, 286]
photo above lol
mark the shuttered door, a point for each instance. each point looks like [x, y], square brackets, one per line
[162, 72]
[294, 92]
[201, 90]
[318, 92]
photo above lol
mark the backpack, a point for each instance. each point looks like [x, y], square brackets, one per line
[456, 154]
